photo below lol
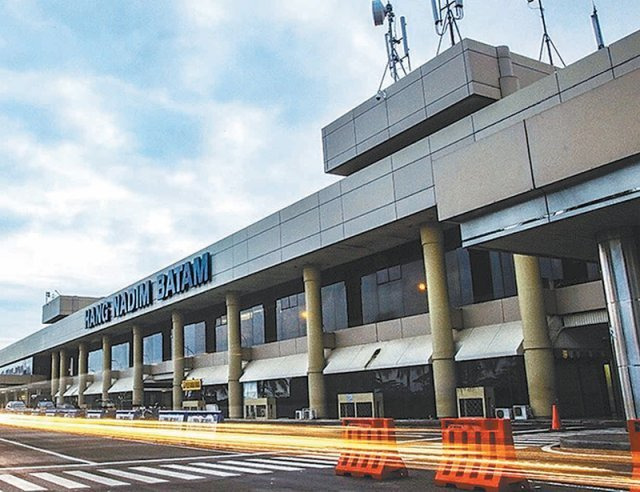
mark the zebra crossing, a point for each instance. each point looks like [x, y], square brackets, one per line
[539, 439]
[109, 477]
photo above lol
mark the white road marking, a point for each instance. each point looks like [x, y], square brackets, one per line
[583, 487]
[333, 457]
[167, 473]
[260, 465]
[320, 461]
[111, 482]
[61, 481]
[290, 462]
[47, 451]
[132, 476]
[549, 449]
[241, 469]
[21, 484]
[195, 469]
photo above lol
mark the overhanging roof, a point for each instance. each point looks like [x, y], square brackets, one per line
[403, 352]
[486, 342]
[211, 375]
[288, 366]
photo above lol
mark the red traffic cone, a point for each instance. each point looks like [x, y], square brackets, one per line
[556, 425]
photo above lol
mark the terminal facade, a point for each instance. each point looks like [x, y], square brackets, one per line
[435, 267]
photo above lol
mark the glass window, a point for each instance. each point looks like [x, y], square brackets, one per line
[120, 356]
[20, 368]
[152, 349]
[94, 363]
[394, 292]
[252, 326]
[291, 317]
[195, 339]
[221, 334]
[250, 390]
[275, 388]
[334, 307]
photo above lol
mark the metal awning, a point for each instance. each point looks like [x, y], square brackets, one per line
[94, 388]
[122, 385]
[403, 352]
[211, 375]
[71, 390]
[486, 342]
[288, 366]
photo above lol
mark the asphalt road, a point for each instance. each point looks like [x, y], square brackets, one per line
[32, 460]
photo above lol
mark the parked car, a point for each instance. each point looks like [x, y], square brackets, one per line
[16, 406]
[45, 405]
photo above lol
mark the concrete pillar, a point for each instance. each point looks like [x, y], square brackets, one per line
[106, 366]
[315, 340]
[83, 355]
[620, 264]
[64, 369]
[55, 374]
[138, 368]
[538, 351]
[177, 355]
[444, 371]
[235, 356]
[509, 82]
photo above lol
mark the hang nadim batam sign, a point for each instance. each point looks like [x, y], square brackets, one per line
[176, 280]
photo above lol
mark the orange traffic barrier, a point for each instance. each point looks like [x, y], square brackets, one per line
[371, 449]
[556, 424]
[478, 453]
[634, 438]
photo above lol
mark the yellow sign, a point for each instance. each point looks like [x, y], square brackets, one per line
[192, 385]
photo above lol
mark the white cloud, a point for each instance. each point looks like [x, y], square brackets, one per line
[90, 212]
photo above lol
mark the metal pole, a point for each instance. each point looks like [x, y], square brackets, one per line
[546, 34]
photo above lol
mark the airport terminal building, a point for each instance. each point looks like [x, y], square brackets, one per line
[476, 252]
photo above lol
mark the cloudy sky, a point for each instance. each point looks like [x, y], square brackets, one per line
[134, 132]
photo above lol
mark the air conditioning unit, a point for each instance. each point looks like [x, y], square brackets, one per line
[503, 413]
[521, 412]
[475, 402]
[260, 408]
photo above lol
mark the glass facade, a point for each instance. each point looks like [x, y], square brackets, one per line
[195, 339]
[94, 363]
[120, 356]
[221, 334]
[291, 317]
[334, 307]
[506, 375]
[21, 368]
[252, 326]
[394, 292]
[152, 349]
[407, 392]
[557, 272]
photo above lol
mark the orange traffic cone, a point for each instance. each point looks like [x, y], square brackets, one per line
[556, 425]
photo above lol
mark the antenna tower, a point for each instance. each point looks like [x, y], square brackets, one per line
[446, 14]
[546, 39]
[394, 60]
[595, 22]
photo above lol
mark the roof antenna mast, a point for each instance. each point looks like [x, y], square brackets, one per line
[595, 22]
[546, 39]
[394, 60]
[446, 14]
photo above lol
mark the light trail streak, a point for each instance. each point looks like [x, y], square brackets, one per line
[598, 470]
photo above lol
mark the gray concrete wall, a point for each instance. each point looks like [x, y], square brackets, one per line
[577, 120]
[447, 88]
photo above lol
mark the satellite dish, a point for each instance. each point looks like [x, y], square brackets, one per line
[379, 12]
